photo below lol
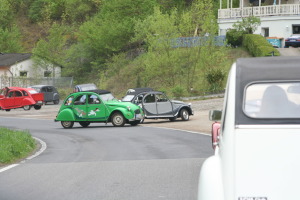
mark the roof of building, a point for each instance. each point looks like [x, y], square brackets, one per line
[9, 59]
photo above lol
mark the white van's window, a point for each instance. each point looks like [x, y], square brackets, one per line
[272, 100]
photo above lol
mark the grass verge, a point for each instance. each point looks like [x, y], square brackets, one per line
[15, 145]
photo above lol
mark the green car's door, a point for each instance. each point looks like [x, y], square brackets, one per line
[80, 108]
[96, 110]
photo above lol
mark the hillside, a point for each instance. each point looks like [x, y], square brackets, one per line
[121, 44]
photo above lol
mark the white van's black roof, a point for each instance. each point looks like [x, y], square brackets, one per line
[263, 69]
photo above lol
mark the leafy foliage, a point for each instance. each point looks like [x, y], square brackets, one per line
[10, 40]
[258, 46]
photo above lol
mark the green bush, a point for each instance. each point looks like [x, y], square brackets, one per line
[258, 46]
[178, 91]
[234, 37]
[64, 92]
[215, 78]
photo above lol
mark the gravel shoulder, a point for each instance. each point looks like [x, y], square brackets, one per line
[199, 122]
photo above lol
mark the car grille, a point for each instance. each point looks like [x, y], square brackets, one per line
[137, 111]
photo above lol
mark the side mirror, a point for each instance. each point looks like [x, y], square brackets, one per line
[215, 115]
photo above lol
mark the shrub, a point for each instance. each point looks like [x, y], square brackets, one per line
[234, 37]
[215, 78]
[258, 46]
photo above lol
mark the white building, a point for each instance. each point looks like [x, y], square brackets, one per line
[19, 69]
[279, 18]
[22, 65]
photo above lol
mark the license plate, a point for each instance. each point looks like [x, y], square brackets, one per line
[138, 116]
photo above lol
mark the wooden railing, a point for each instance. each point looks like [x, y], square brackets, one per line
[260, 11]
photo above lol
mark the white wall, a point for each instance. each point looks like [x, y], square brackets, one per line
[32, 71]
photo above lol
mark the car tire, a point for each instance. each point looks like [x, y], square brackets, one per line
[7, 110]
[84, 124]
[56, 101]
[67, 124]
[37, 107]
[134, 123]
[184, 114]
[27, 107]
[118, 119]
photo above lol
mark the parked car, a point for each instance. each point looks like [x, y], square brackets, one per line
[85, 87]
[17, 97]
[97, 106]
[256, 133]
[156, 105]
[293, 40]
[50, 93]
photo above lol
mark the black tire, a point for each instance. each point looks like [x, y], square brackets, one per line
[118, 119]
[67, 124]
[184, 114]
[56, 101]
[27, 107]
[7, 110]
[84, 124]
[172, 119]
[134, 123]
[37, 107]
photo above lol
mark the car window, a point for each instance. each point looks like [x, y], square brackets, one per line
[149, 98]
[10, 94]
[128, 98]
[25, 93]
[49, 89]
[107, 97]
[80, 100]
[18, 94]
[272, 100]
[161, 98]
[93, 99]
[69, 101]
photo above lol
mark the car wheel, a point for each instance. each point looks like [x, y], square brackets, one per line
[67, 124]
[134, 123]
[184, 114]
[7, 110]
[28, 107]
[37, 107]
[118, 119]
[84, 124]
[56, 101]
[172, 119]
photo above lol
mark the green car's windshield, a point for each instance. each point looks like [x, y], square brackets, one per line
[107, 97]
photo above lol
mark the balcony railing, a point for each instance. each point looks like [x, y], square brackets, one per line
[260, 11]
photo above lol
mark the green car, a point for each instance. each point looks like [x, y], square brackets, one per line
[97, 106]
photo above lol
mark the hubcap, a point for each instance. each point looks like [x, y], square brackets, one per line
[118, 120]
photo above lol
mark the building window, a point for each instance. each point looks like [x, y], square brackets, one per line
[265, 32]
[47, 73]
[296, 28]
[23, 74]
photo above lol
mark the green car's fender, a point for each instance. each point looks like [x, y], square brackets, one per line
[126, 113]
[65, 115]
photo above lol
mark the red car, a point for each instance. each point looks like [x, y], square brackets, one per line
[17, 97]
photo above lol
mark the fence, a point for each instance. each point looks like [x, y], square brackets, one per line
[60, 82]
[197, 41]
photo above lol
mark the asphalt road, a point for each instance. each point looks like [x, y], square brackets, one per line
[103, 162]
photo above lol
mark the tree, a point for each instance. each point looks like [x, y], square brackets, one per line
[10, 40]
[51, 50]
[248, 25]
